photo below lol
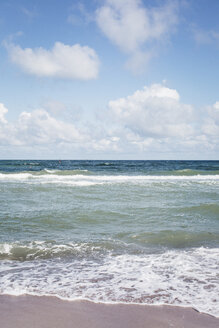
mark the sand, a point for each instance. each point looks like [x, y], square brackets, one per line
[44, 312]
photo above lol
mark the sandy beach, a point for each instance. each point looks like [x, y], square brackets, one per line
[45, 312]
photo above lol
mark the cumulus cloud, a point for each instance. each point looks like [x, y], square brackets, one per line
[40, 127]
[40, 130]
[152, 121]
[133, 27]
[156, 121]
[154, 111]
[62, 61]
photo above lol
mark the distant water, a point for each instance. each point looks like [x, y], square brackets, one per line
[111, 231]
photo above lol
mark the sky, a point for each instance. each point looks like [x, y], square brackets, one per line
[109, 79]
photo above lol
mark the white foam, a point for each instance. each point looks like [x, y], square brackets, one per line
[5, 248]
[86, 180]
[50, 171]
[42, 249]
[15, 176]
[186, 278]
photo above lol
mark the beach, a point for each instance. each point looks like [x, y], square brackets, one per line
[109, 164]
[45, 312]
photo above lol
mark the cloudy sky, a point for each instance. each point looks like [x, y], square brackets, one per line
[109, 79]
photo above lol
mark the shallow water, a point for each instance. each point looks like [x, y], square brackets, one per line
[113, 231]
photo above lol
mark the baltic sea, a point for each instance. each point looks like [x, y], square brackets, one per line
[111, 231]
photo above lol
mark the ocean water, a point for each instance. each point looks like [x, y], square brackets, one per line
[111, 231]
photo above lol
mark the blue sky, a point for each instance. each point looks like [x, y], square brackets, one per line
[109, 79]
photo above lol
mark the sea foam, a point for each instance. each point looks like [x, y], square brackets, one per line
[89, 180]
[186, 278]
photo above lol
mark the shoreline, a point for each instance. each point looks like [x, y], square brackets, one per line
[27, 311]
[87, 300]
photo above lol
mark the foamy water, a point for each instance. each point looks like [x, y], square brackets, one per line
[55, 177]
[137, 232]
[188, 278]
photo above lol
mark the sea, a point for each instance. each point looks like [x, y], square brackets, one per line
[143, 232]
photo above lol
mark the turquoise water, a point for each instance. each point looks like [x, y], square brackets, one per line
[112, 231]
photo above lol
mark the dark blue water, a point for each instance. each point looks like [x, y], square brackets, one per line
[110, 167]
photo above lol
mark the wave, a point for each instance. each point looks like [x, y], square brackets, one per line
[138, 243]
[191, 172]
[63, 172]
[37, 250]
[41, 250]
[87, 178]
[186, 278]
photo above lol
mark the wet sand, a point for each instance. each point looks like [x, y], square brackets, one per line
[45, 312]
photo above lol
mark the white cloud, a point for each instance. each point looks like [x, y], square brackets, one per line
[154, 121]
[39, 127]
[41, 130]
[151, 122]
[3, 111]
[154, 111]
[132, 27]
[62, 61]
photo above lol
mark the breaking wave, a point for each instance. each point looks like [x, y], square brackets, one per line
[86, 178]
[186, 278]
